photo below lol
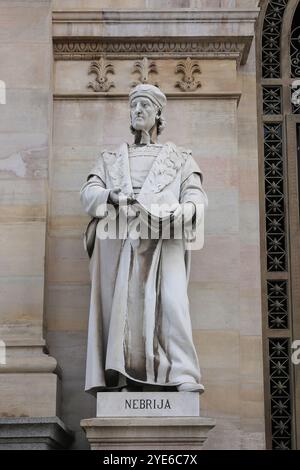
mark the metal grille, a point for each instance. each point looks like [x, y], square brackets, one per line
[278, 304]
[272, 100]
[274, 194]
[281, 409]
[295, 45]
[280, 412]
[271, 38]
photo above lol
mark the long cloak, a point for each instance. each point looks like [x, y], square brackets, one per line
[139, 322]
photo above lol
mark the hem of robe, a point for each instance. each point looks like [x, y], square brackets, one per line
[182, 380]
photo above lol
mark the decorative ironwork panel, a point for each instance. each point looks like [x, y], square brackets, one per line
[277, 304]
[295, 44]
[274, 194]
[280, 391]
[272, 100]
[271, 38]
[279, 367]
[295, 52]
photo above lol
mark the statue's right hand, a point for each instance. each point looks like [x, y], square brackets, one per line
[114, 196]
[118, 198]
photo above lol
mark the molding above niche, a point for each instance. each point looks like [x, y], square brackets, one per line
[124, 34]
[87, 49]
[235, 95]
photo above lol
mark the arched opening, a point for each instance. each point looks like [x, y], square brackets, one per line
[279, 142]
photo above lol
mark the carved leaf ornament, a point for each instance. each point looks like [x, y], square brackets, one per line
[188, 67]
[101, 69]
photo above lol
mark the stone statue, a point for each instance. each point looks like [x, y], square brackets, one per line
[140, 334]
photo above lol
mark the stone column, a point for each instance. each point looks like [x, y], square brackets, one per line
[29, 378]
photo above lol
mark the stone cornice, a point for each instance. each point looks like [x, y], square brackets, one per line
[235, 95]
[201, 48]
[156, 16]
[128, 33]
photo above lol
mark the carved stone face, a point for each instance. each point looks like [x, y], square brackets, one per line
[143, 113]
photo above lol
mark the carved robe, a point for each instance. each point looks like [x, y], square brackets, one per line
[139, 322]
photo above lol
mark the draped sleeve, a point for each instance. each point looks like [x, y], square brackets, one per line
[99, 168]
[191, 189]
[94, 192]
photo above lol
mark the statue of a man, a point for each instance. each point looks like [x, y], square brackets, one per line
[140, 334]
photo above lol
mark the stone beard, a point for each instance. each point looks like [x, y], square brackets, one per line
[140, 331]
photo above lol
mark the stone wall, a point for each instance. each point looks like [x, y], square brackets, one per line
[217, 121]
[27, 385]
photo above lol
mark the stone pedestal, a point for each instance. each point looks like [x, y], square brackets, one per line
[147, 420]
[34, 434]
[147, 433]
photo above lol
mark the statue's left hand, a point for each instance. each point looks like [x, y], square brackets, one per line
[188, 211]
[184, 211]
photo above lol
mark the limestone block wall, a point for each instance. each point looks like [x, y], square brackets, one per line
[28, 386]
[234, 312]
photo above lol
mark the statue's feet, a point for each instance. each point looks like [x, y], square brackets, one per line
[190, 387]
[131, 388]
